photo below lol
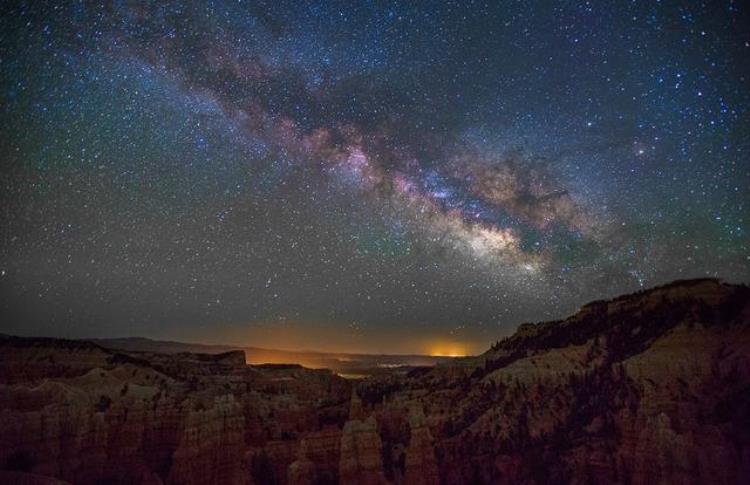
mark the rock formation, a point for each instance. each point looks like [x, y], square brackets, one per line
[116, 417]
[646, 388]
[652, 387]
[421, 465]
[355, 407]
[361, 461]
[302, 471]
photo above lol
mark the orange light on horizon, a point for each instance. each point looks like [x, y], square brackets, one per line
[448, 349]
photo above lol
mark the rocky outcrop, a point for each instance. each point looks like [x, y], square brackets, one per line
[646, 388]
[356, 412]
[361, 461]
[302, 470]
[323, 448]
[211, 445]
[114, 417]
[421, 465]
[25, 360]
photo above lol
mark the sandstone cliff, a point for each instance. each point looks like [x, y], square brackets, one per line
[85, 414]
[646, 388]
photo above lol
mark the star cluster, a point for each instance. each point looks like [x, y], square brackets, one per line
[363, 175]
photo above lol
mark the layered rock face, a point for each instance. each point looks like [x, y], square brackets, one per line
[652, 387]
[647, 388]
[111, 417]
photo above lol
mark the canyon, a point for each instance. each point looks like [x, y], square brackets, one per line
[651, 387]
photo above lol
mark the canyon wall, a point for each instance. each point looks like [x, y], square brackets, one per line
[652, 387]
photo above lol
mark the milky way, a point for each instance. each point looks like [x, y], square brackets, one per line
[363, 175]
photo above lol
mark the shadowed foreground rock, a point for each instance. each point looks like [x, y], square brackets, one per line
[652, 387]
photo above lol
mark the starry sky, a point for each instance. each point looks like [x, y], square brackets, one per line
[368, 176]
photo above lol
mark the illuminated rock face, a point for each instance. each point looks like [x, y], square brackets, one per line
[646, 388]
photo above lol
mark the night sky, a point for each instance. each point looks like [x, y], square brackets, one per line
[364, 176]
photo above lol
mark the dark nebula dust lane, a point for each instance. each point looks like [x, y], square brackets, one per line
[371, 176]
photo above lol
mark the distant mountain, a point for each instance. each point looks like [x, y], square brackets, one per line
[652, 387]
[141, 344]
[340, 362]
